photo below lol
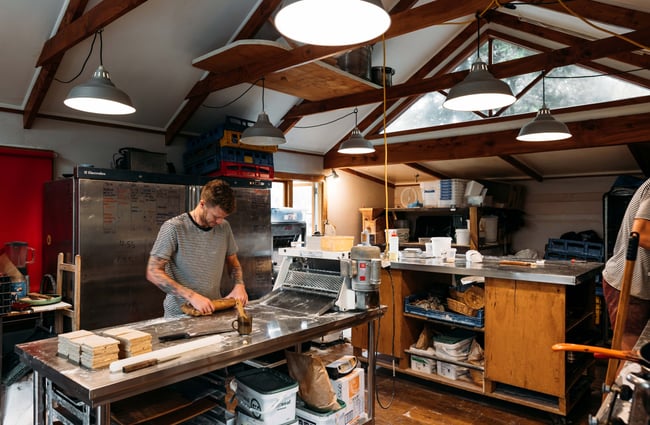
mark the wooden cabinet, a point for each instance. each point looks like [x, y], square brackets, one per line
[522, 320]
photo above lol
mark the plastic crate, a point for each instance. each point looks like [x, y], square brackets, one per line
[212, 157]
[444, 316]
[243, 170]
[566, 249]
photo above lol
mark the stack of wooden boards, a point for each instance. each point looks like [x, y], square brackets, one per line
[96, 351]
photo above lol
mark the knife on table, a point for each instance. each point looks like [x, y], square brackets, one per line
[187, 335]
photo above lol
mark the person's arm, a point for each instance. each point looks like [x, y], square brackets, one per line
[642, 227]
[641, 223]
[156, 274]
[237, 275]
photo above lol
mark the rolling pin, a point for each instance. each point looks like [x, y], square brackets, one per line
[517, 263]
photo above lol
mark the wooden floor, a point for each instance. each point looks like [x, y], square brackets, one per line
[405, 400]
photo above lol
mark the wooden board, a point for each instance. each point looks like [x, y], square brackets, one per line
[147, 406]
[312, 81]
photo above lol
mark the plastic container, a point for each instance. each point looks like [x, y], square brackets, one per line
[307, 416]
[336, 243]
[430, 193]
[440, 246]
[453, 346]
[462, 237]
[451, 371]
[452, 193]
[423, 364]
[267, 395]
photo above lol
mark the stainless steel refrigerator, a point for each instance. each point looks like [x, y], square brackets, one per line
[112, 217]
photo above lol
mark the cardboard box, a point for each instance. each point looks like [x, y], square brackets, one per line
[351, 390]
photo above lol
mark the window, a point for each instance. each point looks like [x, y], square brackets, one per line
[304, 195]
[565, 87]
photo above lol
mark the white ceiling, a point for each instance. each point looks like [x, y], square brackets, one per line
[149, 53]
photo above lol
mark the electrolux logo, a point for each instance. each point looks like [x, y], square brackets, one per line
[94, 173]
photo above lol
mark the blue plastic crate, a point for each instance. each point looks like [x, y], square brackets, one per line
[566, 249]
[444, 316]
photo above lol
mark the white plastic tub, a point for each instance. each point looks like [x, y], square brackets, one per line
[266, 395]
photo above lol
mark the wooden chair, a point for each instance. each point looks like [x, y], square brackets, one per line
[75, 268]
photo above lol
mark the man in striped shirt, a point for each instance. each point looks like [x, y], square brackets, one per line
[636, 219]
[188, 258]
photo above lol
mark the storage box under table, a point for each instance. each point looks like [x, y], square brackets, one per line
[266, 395]
[307, 416]
[351, 390]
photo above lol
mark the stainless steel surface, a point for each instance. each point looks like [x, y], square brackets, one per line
[113, 224]
[558, 272]
[251, 224]
[273, 330]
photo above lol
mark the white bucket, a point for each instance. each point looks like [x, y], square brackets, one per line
[462, 237]
[490, 224]
[440, 246]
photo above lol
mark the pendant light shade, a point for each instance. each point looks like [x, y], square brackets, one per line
[263, 133]
[544, 127]
[99, 96]
[356, 144]
[332, 22]
[479, 91]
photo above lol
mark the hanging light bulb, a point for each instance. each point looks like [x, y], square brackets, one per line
[356, 144]
[99, 95]
[263, 133]
[544, 127]
[332, 22]
[479, 91]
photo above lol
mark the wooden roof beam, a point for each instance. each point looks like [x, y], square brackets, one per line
[48, 71]
[581, 52]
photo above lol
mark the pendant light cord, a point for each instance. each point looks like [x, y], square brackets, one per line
[262, 93]
[83, 66]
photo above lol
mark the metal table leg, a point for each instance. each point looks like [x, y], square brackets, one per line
[39, 399]
[371, 372]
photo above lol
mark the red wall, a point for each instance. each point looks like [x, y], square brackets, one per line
[22, 174]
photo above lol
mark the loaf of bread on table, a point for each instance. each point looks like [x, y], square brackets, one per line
[220, 304]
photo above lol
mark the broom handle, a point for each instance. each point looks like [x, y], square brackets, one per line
[623, 302]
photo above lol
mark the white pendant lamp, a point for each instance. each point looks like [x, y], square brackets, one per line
[332, 22]
[263, 133]
[479, 91]
[544, 127]
[356, 144]
[99, 95]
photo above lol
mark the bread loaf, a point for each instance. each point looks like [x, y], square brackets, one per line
[220, 304]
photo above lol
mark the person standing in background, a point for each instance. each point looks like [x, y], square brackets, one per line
[636, 219]
[188, 257]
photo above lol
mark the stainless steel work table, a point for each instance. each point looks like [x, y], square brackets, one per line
[552, 271]
[273, 329]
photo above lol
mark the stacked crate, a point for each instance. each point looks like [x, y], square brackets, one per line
[5, 295]
[220, 153]
[566, 249]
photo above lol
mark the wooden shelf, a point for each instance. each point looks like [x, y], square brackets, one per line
[313, 81]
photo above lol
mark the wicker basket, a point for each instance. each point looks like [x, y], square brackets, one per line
[461, 308]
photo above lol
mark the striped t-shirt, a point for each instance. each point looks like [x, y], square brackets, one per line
[639, 207]
[196, 257]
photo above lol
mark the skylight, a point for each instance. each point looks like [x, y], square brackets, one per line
[565, 87]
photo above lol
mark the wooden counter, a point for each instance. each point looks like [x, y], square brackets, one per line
[527, 310]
